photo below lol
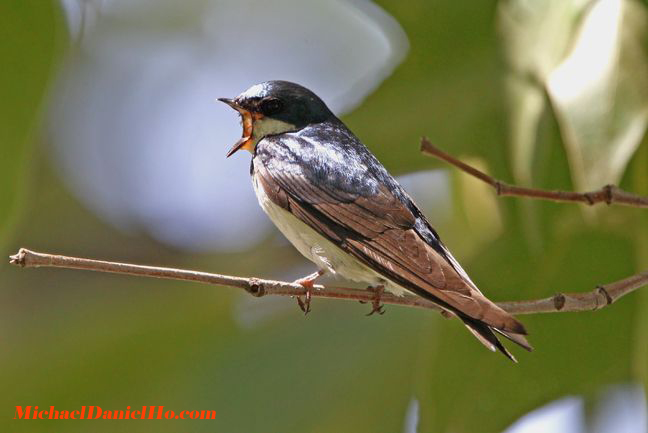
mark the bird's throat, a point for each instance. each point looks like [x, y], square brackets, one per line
[247, 141]
[256, 126]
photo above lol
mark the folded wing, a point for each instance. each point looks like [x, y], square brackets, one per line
[380, 230]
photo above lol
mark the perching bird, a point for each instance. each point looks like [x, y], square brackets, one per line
[337, 204]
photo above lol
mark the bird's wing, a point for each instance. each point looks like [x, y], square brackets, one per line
[379, 230]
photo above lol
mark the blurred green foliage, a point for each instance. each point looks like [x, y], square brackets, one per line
[75, 338]
[32, 36]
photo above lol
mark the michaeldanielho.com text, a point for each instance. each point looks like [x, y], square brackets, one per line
[96, 412]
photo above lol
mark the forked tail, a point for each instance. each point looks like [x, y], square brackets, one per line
[486, 334]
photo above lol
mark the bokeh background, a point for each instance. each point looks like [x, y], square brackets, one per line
[112, 147]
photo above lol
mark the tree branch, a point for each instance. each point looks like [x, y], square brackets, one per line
[593, 300]
[609, 194]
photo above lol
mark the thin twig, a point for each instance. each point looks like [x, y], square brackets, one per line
[609, 194]
[593, 300]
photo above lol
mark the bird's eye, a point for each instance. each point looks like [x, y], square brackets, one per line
[271, 106]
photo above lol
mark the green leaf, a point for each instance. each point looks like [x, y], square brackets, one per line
[600, 92]
[535, 36]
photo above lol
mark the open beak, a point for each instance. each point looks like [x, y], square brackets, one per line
[246, 140]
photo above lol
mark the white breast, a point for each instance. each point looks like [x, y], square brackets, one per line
[318, 249]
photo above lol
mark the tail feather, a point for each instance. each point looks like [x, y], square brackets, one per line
[487, 337]
[518, 339]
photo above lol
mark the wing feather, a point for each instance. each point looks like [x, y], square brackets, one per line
[380, 230]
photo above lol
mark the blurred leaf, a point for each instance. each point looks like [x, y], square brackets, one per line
[528, 105]
[535, 36]
[31, 33]
[593, 60]
[600, 92]
[482, 209]
[476, 214]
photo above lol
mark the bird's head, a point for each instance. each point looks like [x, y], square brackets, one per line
[275, 107]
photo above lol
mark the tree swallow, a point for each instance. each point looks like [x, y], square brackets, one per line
[337, 204]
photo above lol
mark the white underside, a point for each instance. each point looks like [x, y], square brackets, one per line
[319, 250]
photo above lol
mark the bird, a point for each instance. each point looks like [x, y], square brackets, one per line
[340, 208]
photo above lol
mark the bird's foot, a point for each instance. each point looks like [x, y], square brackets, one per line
[307, 282]
[376, 306]
[305, 305]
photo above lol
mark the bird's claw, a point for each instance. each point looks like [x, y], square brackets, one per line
[305, 305]
[380, 309]
[376, 306]
[307, 282]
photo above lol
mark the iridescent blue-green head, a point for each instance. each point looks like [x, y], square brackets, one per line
[275, 107]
